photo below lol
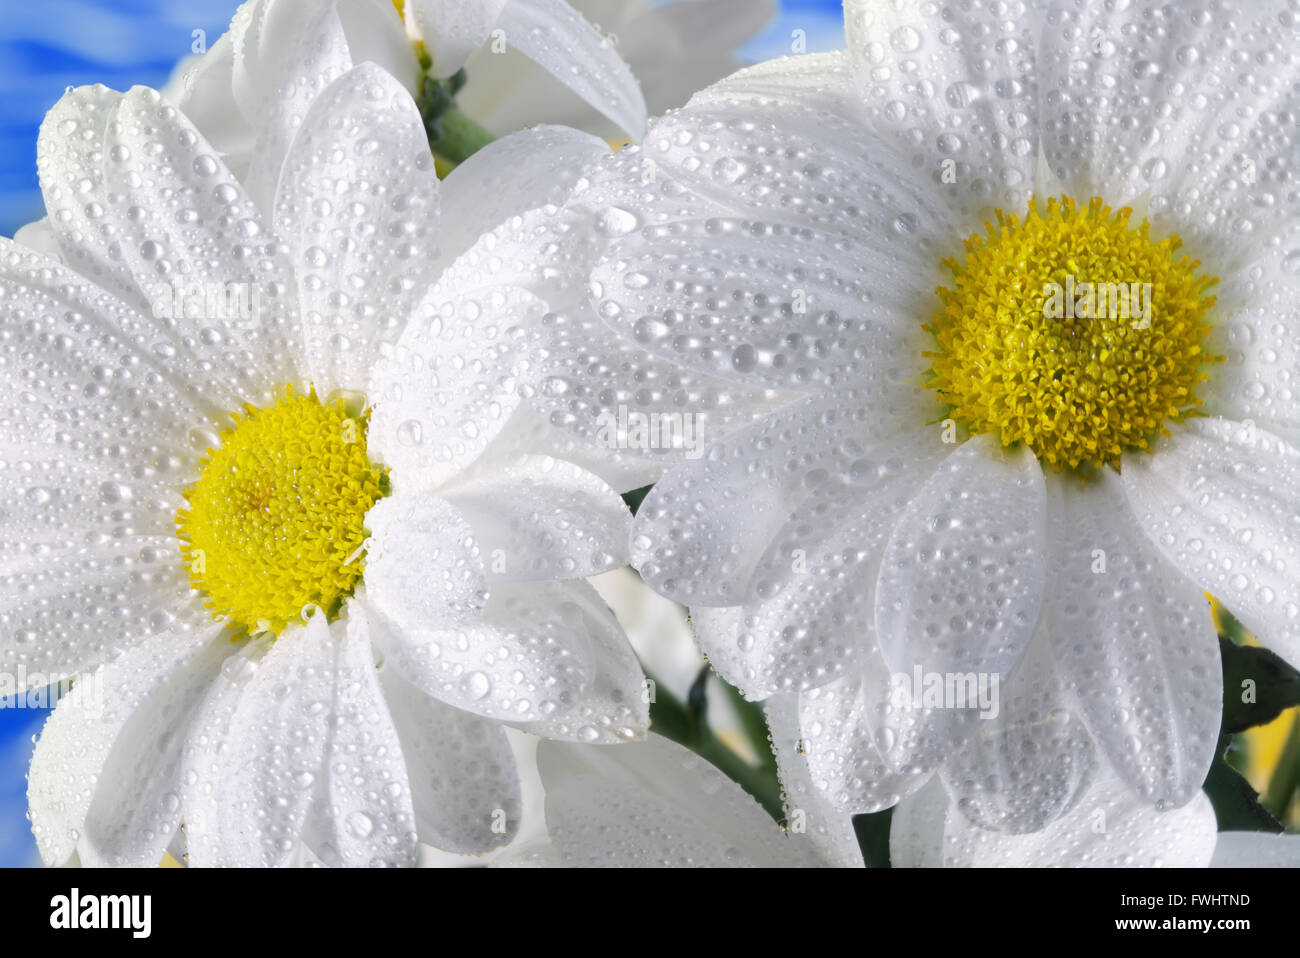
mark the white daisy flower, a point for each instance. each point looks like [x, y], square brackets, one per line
[1028, 479]
[304, 560]
[245, 93]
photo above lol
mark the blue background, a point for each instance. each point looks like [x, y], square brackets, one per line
[50, 45]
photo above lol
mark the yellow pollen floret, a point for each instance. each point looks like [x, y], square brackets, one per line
[275, 522]
[1072, 332]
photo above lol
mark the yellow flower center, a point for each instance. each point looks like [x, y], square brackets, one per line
[1072, 332]
[275, 522]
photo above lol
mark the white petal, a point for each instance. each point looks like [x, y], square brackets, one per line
[363, 813]
[913, 734]
[615, 705]
[829, 829]
[841, 738]
[285, 55]
[137, 803]
[39, 235]
[520, 661]
[958, 86]
[271, 767]
[95, 448]
[75, 746]
[1222, 501]
[1135, 645]
[818, 81]
[445, 390]
[516, 173]
[655, 804]
[1257, 331]
[423, 565]
[452, 29]
[962, 577]
[811, 608]
[535, 517]
[203, 759]
[572, 367]
[1029, 758]
[461, 771]
[770, 306]
[702, 530]
[203, 87]
[916, 830]
[144, 208]
[528, 433]
[843, 182]
[1256, 850]
[1195, 136]
[674, 50]
[557, 38]
[1110, 827]
[358, 207]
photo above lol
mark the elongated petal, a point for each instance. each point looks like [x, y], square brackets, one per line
[91, 562]
[358, 207]
[1029, 758]
[1259, 310]
[277, 741]
[842, 739]
[452, 29]
[535, 517]
[556, 37]
[1198, 137]
[702, 530]
[1221, 500]
[137, 803]
[363, 813]
[185, 234]
[520, 661]
[655, 804]
[465, 787]
[765, 304]
[285, 58]
[1110, 827]
[519, 172]
[828, 828]
[957, 85]
[961, 581]
[73, 755]
[615, 705]
[424, 567]
[1135, 646]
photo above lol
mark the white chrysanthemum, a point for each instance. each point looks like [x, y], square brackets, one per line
[281, 51]
[303, 557]
[974, 483]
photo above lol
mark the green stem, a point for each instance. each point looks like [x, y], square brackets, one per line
[673, 719]
[458, 137]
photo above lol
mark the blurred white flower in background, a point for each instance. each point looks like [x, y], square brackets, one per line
[672, 48]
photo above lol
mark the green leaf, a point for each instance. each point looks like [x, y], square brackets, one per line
[687, 724]
[1254, 673]
[872, 831]
[1236, 804]
[636, 497]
